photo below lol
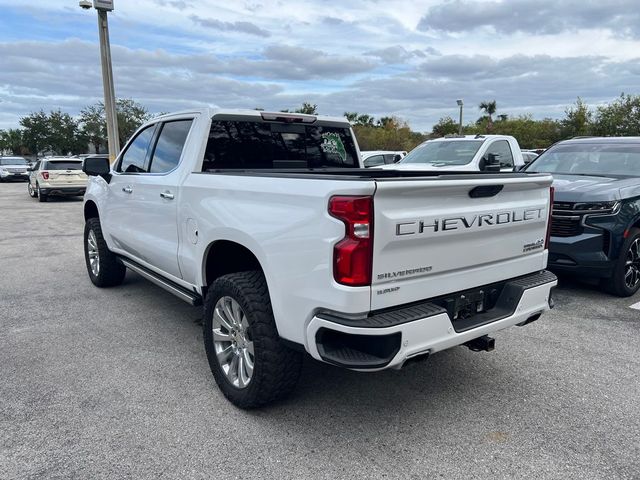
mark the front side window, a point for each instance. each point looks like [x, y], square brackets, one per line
[443, 153]
[171, 140]
[266, 145]
[133, 159]
[502, 151]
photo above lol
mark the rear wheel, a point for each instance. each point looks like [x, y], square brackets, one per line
[625, 280]
[42, 197]
[32, 191]
[249, 361]
[104, 268]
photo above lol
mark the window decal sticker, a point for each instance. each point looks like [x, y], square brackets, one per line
[332, 145]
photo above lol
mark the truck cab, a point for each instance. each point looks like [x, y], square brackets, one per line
[468, 153]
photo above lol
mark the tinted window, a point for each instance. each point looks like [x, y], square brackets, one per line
[502, 150]
[258, 145]
[447, 152]
[374, 161]
[166, 155]
[133, 158]
[589, 159]
[62, 165]
[13, 161]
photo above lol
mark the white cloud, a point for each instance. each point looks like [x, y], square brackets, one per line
[409, 58]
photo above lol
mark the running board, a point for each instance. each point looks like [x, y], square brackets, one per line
[182, 293]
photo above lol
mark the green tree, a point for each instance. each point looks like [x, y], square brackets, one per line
[445, 126]
[94, 126]
[578, 120]
[11, 140]
[130, 113]
[308, 108]
[489, 108]
[64, 136]
[619, 118]
[34, 135]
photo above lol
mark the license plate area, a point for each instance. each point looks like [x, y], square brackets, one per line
[471, 308]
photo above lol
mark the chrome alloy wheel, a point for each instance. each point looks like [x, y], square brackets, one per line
[92, 252]
[632, 265]
[232, 342]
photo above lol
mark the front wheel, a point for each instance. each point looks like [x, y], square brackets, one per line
[104, 268]
[625, 280]
[249, 361]
[32, 191]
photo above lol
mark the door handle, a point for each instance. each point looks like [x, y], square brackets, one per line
[127, 189]
[168, 195]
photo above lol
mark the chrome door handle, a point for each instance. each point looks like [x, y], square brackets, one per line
[127, 189]
[168, 195]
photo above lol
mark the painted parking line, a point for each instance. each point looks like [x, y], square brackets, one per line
[635, 306]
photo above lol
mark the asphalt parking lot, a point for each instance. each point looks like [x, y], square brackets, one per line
[114, 383]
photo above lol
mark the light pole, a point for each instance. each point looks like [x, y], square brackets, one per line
[460, 104]
[104, 6]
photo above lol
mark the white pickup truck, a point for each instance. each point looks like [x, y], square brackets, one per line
[465, 153]
[270, 220]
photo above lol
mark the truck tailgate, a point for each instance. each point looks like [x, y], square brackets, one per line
[443, 235]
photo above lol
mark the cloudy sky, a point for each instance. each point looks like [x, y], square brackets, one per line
[408, 58]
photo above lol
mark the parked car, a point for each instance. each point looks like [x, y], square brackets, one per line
[595, 230]
[13, 168]
[56, 176]
[268, 219]
[469, 153]
[375, 158]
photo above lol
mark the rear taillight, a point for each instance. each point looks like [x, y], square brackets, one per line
[546, 240]
[353, 255]
[45, 175]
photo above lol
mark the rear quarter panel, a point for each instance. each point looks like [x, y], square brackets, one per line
[285, 223]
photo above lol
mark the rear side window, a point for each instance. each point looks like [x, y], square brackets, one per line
[266, 145]
[133, 159]
[374, 161]
[62, 165]
[168, 150]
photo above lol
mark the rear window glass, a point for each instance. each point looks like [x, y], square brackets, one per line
[63, 165]
[262, 145]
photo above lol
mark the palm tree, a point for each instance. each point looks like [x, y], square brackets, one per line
[489, 109]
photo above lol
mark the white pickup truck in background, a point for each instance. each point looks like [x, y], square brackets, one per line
[270, 220]
[468, 153]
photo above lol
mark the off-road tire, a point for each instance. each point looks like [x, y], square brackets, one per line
[111, 271]
[616, 284]
[276, 367]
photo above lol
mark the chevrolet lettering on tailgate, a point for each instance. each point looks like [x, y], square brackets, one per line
[476, 221]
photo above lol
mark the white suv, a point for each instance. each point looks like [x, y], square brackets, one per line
[61, 176]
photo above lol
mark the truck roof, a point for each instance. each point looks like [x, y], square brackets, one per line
[258, 114]
[469, 137]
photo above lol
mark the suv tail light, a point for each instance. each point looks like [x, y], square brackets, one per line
[353, 255]
[45, 175]
[546, 240]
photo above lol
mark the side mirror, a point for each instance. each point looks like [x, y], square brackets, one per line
[397, 158]
[490, 163]
[97, 167]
